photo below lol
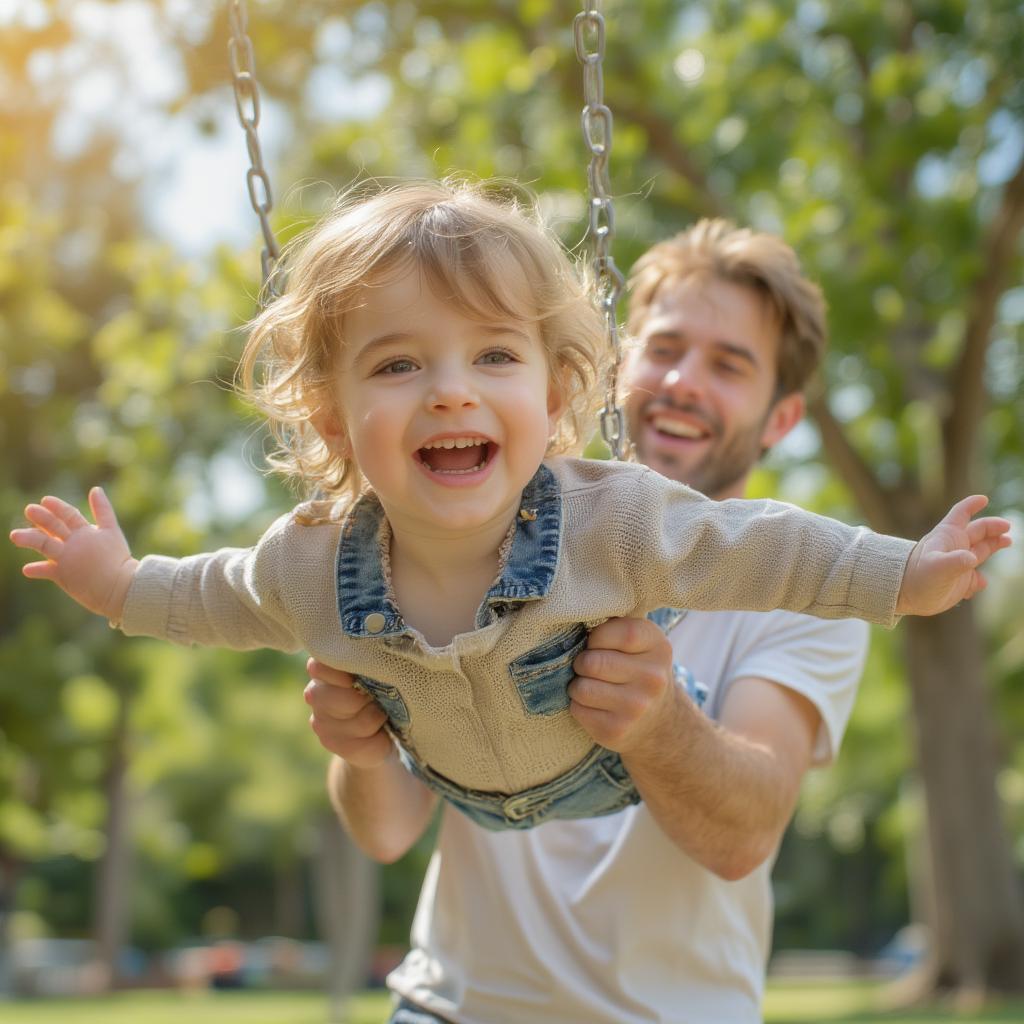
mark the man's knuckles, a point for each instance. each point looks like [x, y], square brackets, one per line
[335, 677]
[327, 699]
[632, 671]
[631, 636]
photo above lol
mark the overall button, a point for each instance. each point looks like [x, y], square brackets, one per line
[519, 807]
[374, 622]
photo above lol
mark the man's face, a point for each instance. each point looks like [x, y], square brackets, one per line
[700, 388]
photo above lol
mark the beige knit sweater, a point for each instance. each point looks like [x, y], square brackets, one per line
[630, 541]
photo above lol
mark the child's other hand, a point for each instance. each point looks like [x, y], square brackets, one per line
[943, 568]
[90, 563]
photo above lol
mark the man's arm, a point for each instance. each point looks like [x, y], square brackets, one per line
[722, 792]
[382, 806]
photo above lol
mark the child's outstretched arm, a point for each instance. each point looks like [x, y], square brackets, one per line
[91, 563]
[943, 567]
[231, 597]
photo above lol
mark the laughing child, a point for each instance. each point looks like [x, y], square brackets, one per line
[428, 370]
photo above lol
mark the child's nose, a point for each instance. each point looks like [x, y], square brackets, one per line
[452, 391]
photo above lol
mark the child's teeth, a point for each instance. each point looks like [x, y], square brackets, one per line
[456, 442]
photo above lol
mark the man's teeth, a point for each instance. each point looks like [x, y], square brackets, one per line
[676, 428]
[456, 442]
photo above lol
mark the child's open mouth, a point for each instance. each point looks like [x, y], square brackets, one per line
[456, 456]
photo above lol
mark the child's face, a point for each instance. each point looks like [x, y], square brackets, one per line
[448, 418]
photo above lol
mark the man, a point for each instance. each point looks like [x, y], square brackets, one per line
[661, 912]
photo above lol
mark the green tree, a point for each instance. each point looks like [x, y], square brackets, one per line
[165, 774]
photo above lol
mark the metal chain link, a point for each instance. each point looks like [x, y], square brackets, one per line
[247, 104]
[589, 37]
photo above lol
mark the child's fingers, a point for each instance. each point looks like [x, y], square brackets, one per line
[988, 546]
[40, 571]
[978, 583]
[989, 526]
[66, 513]
[964, 510]
[42, 517]
[102, 510]
[37, 540]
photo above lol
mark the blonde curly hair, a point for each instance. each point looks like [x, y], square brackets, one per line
[461, 236]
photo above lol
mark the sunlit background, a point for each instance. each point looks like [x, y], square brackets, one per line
[155, 801]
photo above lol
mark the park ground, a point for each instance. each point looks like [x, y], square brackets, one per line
[787, 1002]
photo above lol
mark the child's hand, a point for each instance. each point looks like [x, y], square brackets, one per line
[943, 568]
[90, 563]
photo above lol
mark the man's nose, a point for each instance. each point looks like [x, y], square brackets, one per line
[686, 379]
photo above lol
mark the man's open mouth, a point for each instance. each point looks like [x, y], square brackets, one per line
[671, 427]
[457, 456]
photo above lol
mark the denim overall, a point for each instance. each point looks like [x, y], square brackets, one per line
[598, 784]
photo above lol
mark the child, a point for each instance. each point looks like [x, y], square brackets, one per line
[433, 355]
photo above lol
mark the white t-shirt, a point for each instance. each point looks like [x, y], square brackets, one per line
[605, 921]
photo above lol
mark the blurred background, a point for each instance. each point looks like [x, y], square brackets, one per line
[162, 815]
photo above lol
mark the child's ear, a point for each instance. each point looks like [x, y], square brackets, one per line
[328, 424]
[557, 390]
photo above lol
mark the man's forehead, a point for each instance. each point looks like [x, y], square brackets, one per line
[714, 305]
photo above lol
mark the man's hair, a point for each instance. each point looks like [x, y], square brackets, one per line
[484, 250]
[761, 262]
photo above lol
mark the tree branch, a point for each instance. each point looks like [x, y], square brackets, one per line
[660, 135]
[852, 469]
[967, 379]
[674, 155]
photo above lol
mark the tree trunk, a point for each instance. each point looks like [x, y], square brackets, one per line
[8, 882]
[978, 911]
[289, 907]
[347, 902]
[113, 877]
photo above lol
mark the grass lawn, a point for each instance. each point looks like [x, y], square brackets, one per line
[163, 1007]
[824, 1002]
[857, 1002]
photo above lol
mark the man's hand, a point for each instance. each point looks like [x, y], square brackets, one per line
[384, 808]
[90, 563]
[943, 568]
[624, 685]
[348, 722]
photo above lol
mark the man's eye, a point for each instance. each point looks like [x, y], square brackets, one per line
[729, 369]
[397, 366]
[662, 353]
[496, 357]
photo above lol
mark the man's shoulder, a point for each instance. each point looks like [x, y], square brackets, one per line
[770, 630]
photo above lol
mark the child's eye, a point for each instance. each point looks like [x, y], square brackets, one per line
[396, 366]
[496, 357]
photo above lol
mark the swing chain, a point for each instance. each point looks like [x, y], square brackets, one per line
[596, 120]
[247, 105]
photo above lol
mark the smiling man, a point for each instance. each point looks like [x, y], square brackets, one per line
[662, 911]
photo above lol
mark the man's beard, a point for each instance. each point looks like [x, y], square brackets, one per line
[726, 460]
